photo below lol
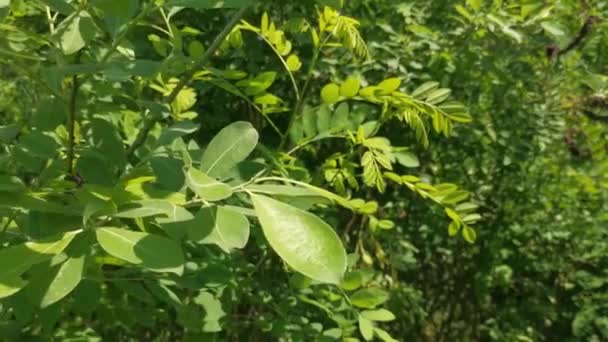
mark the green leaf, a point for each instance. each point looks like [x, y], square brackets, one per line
[230, 146]
[11, 184]
[49, 115]
[407, 159]
[230, 229]
[259, 84]
[8, 133]
[177, 130]
[267, 99]
[350, 87]
[76, 31]
[293, 63]
[553, 28]
[309, 122]
[424, 89]
[196, 50]
[453, 228]
[341, 118]
[61, 6]
[366, 327]
[380, 315]
[10, 286]
[282, 190]
[154, 252]
[207, 4]
[151, 207]
[330, 93]
[56, 283]
[264, 24]
[384, 336]
[368, 298]
[471, 218]
[352, 280]
[213, 311]
[469, 234]
[306, 243]
[438, 96]
[475, 4]
[116, 14]
[185, 100]
[389, 85]
[386, 224]
[206, 187]
[15, 260]
[323, 119]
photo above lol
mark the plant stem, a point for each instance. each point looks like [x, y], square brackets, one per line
[283, 62]
[300, 104]
[9, 220]
[71, 123]
[153, 118]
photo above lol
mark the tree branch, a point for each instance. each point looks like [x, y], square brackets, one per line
[153, 118]
[553, 51]
[595, 117]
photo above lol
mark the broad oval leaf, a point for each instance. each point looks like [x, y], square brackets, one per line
[17, 259]
[229, 228]
[380, 315]
[389, 85]
[293, 63]
[350, 87]
[330, 93]
[469, 234]
[406, 159]
[57, 282]
[154, 252]
[306, 243]
[368, 298]
[206, 187]
[366, 327]
[229, 147]
[76, 31]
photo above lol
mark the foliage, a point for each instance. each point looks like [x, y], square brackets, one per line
[312, 170]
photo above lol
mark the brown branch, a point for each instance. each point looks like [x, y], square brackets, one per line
[595, 117]
[553, 51]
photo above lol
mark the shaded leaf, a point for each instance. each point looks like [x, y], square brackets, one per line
[154, 252]
[230, 229]
[56, 283]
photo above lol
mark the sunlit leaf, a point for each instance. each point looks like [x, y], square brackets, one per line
[306, 243]
[206, 187]
[230, 146]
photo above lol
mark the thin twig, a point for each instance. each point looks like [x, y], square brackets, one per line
[301, 100]
[153, 118]
[72, 116]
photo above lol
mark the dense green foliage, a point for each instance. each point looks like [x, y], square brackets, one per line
[315, 170]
